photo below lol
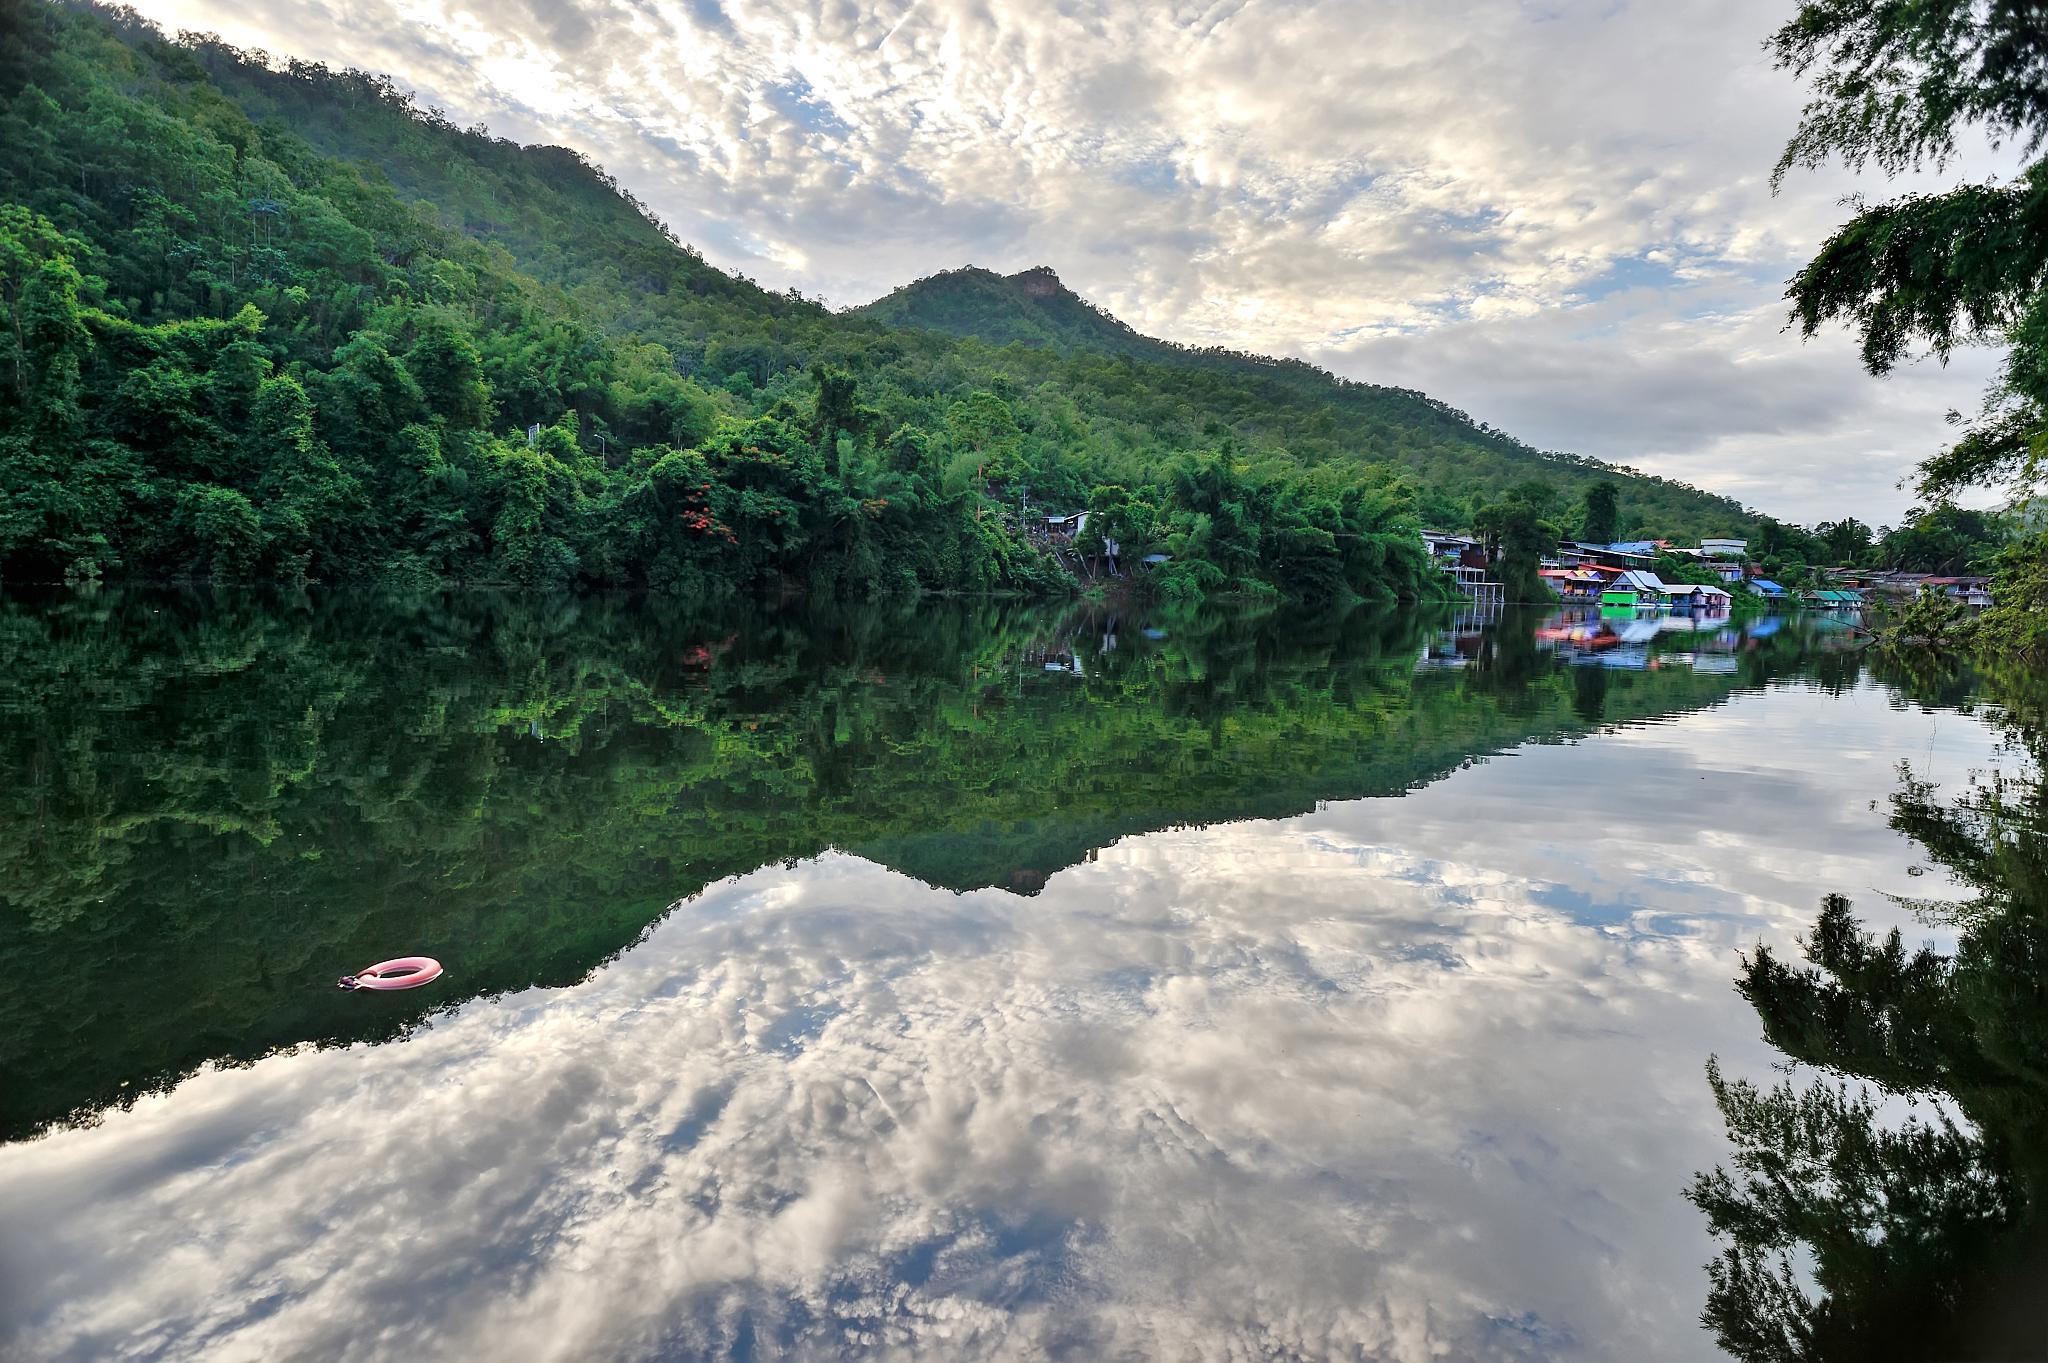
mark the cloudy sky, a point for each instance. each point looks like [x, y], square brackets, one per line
[1554, 214]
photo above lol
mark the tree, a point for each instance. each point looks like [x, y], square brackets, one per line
[1847, 541]
[1516, 536]
[1896, 82]
[1945, 539]
[1600, 517]
[983, 428]
[2017, 622]
[313, 508]
[837, 408]
[54, 342]
[1540, 494]
[446, 365]
[1114, 514]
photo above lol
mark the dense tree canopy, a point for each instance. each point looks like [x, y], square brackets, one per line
[1517, 536]
[1600, 518]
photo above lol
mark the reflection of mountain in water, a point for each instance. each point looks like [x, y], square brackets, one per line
[213, 810]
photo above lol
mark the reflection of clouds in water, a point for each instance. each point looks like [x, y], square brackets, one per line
[1402, 1079]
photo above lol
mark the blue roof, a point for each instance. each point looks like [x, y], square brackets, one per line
[1764, 584]
[1634, 547]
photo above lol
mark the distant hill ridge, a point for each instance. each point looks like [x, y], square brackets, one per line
[1030, 307]
[1034, 307]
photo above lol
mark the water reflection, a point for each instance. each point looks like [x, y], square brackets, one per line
[1885, 1199]
[1296, 1075]
[213, 809]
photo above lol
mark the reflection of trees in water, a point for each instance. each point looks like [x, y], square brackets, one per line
[212, 807]
[1589, 693]
[1848, 1230]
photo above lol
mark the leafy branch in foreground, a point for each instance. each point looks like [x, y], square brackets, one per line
[1894, 85]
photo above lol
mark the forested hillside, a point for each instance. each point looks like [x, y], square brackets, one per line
[1456, 461]
[274, 322]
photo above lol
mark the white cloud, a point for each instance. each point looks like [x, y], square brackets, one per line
[1441, 180]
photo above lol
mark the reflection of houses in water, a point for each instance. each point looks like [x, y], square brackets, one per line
[1458, 644]
[1060, 651]
[1627, 639]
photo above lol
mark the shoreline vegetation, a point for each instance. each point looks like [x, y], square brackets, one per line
[273, 323]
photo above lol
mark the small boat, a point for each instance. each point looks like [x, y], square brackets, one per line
[401, 972]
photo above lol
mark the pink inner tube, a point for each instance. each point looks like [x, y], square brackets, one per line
[402, 972]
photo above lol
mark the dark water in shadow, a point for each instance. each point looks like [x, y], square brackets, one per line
[1038, 983]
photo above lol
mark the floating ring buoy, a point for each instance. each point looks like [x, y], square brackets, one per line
[402, 972]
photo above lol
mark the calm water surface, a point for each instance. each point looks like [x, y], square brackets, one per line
[966, 982]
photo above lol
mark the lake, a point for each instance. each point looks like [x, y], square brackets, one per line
[944, 981]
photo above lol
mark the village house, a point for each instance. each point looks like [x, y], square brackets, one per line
[1698, 596]
[1617, 556]
[1065, 529]
[1449, 551]
[1575, 583]
[1730, 571]
[1634, 587]
[1971, 591]
[1462, 557]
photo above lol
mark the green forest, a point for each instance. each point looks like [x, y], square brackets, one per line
[272, 322]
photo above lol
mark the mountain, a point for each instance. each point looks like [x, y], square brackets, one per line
[1031, 307]
[1440, 446]
[274, 321]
